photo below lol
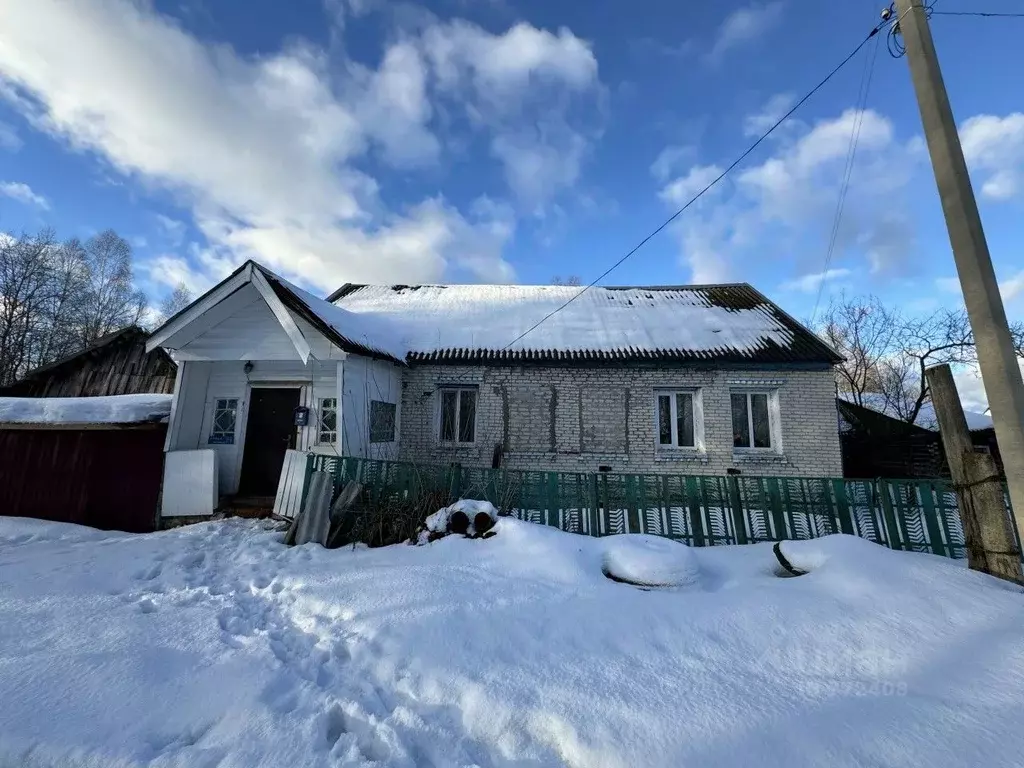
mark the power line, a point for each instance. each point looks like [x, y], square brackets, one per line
[700, 194]
[979, 13]
[851, 154]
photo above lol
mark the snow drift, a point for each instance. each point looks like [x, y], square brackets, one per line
[216, 645]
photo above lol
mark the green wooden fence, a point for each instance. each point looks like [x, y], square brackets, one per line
[916, 515]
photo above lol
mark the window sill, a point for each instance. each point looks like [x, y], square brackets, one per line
[758, 457]
[691, 456]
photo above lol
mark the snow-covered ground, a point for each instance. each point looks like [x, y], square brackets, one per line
[215, 645]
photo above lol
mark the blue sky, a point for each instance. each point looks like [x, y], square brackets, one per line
[498, 140]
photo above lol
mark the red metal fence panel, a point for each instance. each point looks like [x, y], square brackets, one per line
[106, 478]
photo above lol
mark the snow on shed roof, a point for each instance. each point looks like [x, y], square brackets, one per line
[462, 323]
[112, 409]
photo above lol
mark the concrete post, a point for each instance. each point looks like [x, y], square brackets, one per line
[996, 356]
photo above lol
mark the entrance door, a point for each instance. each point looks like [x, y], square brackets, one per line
[269, 432]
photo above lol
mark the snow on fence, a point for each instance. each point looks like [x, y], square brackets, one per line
[917, 515]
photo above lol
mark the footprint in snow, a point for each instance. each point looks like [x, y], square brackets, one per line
[147, 606]
[362, 734]
[261, 581]
[148, 574]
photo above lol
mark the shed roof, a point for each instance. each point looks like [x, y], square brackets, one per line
[479, 323]
[131, 334]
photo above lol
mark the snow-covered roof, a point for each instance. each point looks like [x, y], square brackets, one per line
[926, 417]
[356, 332]
[114, 409]
[482, 322]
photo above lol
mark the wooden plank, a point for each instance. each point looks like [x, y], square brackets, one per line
[986, 549]
[843, 510]
[692, 508]
[288, 501]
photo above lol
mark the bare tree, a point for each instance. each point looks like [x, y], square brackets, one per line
[572, 280]
[55, 298]
[865, 332]
[24, 291]
[943, 337]
[113, 301]
[887, 353]
[176, 301]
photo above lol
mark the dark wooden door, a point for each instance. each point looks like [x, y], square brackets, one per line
[269, 432]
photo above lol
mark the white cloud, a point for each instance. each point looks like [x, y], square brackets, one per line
[994, 149]
[264, 150]
[757, 123]
[505, 84]
[669, 159]
[501, 66]
[789, 200]
[534, 166]
[23, 194]
[744, 25]
[1012, 287]
[811, 283]
[395, 107]
[679, 192]
[9, 138]
[173, 229]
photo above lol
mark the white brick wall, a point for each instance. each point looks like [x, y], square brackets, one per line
[536, 413]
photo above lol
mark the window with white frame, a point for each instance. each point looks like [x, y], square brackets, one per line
[382, 422]
[753, 420]
[225, 417]
[458, 415]
[327, 421]
[678, 419]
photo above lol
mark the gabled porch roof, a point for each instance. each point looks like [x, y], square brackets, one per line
[350, 332]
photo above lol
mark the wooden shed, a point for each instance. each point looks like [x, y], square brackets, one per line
[115, 364]
[94, 461]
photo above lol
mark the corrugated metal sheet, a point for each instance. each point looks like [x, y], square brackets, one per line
[482, 323]
[104, 478]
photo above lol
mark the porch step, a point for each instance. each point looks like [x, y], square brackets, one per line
[246, 506]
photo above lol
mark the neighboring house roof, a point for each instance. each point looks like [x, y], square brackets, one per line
[859, 418]
[480, 323]
[926, 418]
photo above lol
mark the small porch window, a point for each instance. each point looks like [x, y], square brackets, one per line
[458, 415]
[327, 429]
[225, 416]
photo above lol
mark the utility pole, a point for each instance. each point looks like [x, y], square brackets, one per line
[996, 357]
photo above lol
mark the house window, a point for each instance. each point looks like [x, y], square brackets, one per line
[382, 422]
[458, 415]
[752, 420]
[327, 430]
[678, 419]
[225, 416]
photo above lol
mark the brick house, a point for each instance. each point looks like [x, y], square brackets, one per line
[680, 379]
[675, 379]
